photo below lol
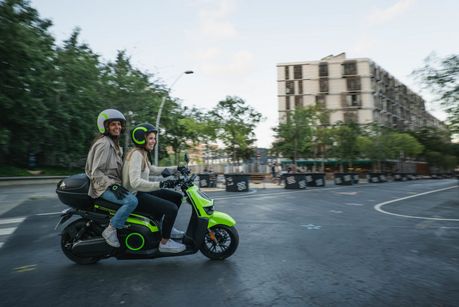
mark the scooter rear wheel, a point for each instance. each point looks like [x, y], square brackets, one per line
[223, 245]
[68, 239]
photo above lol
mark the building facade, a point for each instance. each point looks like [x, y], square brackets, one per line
[355, 90]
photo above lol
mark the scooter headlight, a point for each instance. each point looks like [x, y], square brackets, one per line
[209, 210]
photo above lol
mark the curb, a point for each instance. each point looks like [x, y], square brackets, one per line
[26, 180]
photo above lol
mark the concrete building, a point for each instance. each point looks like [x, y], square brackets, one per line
[353, 90]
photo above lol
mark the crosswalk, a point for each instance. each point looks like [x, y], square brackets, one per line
[7, 227]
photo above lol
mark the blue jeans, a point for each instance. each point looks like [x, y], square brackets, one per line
[128, 204]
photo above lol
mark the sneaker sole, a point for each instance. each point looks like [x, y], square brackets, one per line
[170, 251]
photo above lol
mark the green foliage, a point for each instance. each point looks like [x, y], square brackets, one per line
[438, 150]
[26, 70]
[294, 136]
[53, 94]
[345, 137]
[379, 144]
[441, 76]
[234, 124]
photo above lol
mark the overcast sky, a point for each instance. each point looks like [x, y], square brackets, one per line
[234, 45]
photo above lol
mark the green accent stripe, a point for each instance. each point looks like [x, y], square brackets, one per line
[141, 142]
[133, 219]
[104, 115]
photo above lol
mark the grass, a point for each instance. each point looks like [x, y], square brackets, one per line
[15, 171]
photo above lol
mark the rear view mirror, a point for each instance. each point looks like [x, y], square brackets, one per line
[166, 173]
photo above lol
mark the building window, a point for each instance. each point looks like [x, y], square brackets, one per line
[300, 87]
[286, 73]
[287, 103]
[353, 100]
[353, 84]
[323, 69]
[325, 119]
[298, 102]
[323, 85]
[350, 68]
[320, 101]
[351, 117]
[297, 72]
[289, 88]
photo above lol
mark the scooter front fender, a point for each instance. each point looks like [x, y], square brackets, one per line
[222, 219]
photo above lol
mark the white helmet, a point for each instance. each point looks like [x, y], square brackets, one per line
[107, 116]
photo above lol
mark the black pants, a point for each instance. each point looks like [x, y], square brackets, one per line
[161, 203]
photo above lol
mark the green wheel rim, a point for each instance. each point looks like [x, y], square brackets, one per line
[135, 248]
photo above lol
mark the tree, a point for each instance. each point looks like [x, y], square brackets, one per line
[438, 151]
[294, 137]
[441, 76]
[76, 103]
[345, 142]
[132, 92]
[26, 69]
[379, 144]
[235, 123]
[183, 132]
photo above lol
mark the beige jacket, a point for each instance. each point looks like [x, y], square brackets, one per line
[136, 172]
[103, 166]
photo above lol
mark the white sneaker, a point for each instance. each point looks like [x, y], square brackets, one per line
[177, 234]
[171, 247]
[110, 236]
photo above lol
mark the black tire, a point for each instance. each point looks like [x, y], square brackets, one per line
[68, 238]
[227, 242]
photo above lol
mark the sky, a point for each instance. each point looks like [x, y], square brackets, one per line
[233, 46]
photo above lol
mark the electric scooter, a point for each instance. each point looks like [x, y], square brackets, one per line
[209, 231]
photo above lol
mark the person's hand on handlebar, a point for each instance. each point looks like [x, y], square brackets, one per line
[171, 183]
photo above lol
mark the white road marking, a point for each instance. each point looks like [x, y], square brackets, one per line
[11, 220]
[264, 208]
[7, 231]
[378, 206]
[311, 227]
[49, 213]
[353, 204]
[336, 211]
[10, 226]
[347, 193]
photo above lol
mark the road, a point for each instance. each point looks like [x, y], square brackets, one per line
[389, 244]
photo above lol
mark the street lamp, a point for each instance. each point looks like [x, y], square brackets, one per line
[163, 100]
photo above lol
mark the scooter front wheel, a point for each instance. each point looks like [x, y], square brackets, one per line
[220, 242]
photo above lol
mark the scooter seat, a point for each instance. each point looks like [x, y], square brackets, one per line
[112, 206]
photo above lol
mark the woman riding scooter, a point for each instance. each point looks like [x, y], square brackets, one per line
[104, 167]
[152, 199]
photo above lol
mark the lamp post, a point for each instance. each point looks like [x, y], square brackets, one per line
[158, 118]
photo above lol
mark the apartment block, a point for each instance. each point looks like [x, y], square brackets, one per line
[355, 90]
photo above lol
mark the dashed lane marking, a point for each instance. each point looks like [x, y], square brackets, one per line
[25, 268]
[311, 226]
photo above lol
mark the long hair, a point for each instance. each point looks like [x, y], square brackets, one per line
[145, 160]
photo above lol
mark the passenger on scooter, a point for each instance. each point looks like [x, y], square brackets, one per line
[104, 168]
[152, 199]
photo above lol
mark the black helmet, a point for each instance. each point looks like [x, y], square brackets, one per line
[139, 133]
[109, 115]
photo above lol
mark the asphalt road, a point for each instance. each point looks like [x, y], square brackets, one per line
[389, 244]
